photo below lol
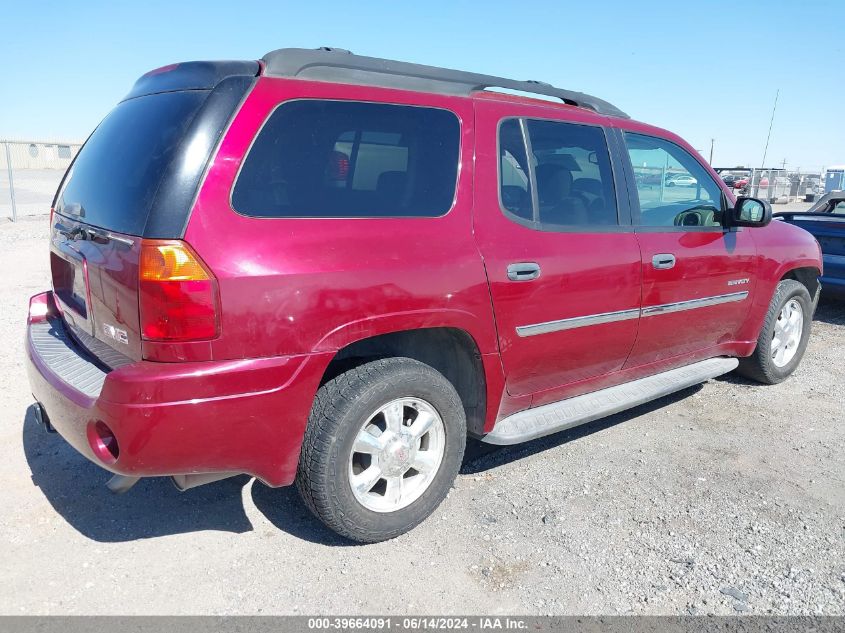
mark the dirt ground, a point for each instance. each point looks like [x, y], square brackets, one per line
[725, 498]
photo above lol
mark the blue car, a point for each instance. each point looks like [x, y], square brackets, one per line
[826, 221]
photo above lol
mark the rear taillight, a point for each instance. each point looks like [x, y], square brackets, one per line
[178, 294]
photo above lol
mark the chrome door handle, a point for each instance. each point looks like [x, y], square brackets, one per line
[523, 271]
[663, 261]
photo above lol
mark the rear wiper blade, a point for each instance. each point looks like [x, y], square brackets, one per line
[94, 235]
[77, 233]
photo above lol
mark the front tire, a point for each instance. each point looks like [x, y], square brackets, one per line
[784, 336]
[382, 448]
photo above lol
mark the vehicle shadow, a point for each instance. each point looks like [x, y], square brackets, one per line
[76, 489]
[831, 309]
[480, 457]
[286, 511]
[153, 507]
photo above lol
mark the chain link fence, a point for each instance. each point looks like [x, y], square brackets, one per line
[778, 186]
[30, 172]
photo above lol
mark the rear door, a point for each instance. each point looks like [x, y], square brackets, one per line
[698, 278]
[562, 262]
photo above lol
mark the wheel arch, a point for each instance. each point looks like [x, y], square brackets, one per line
[808, 276]
[451, 351]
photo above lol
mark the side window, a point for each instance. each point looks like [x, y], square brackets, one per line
[515, 183]
[323, 159]
[673, 187]
[570, 167]
[573, 175]
[839, 207]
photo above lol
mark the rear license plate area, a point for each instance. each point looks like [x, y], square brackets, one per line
[70, 288]
[69, 283]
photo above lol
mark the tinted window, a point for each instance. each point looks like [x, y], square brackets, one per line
[573, 175]
[515, 184]
[348, 159]
[673, 188]
[118, 171]
[570, 168]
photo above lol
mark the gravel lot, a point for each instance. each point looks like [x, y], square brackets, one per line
[726, 498]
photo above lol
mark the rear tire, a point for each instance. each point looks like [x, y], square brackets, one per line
[784, 336]
[382, 448]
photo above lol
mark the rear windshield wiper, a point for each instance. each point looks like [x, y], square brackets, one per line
[95, 235]
[77, 233]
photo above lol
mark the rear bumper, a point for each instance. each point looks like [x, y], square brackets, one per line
[174, 418]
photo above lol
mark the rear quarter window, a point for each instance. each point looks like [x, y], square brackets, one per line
[322, 159]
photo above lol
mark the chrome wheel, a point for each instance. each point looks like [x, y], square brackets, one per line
[787, 333]
[396, 454]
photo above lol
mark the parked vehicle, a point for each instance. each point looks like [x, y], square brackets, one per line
[825, 220]
[681, 180]
[648, 177]
[734, 180]
[330, 269]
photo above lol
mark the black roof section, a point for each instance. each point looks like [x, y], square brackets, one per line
[341, 66]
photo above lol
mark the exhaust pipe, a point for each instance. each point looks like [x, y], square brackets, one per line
[41, 418]
[121, 483]
[186, 482]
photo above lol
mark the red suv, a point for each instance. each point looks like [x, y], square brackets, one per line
[330, 269]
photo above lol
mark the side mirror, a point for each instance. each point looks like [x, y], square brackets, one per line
[750, 212]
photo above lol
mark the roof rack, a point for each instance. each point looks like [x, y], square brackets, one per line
[341, 66]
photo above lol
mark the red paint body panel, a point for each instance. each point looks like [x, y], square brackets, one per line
[179, 418]
[292, 286]
[709, 263]
[295, 291]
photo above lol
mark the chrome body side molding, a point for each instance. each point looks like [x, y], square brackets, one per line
[624, 315]
[692, 304]
[581, 321]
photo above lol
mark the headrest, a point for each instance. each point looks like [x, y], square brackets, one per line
[391, 183]
[554, 182]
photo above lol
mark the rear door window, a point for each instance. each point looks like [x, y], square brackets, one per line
[322, 159]
[569, 168]
[515, 182]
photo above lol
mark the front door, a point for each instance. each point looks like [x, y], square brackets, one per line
[698, 278]
[563, 268]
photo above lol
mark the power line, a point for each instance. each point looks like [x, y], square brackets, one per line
[766, 151]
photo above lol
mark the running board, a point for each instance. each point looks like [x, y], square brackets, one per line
[558, 416]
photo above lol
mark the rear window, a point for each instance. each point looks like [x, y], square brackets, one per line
[116, 175]
[324, 159]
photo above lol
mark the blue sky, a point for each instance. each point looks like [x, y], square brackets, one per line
[702, 69]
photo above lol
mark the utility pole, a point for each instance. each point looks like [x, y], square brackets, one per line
[712, 140]
[11, 183]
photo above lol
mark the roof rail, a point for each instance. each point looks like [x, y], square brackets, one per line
[341, 66]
